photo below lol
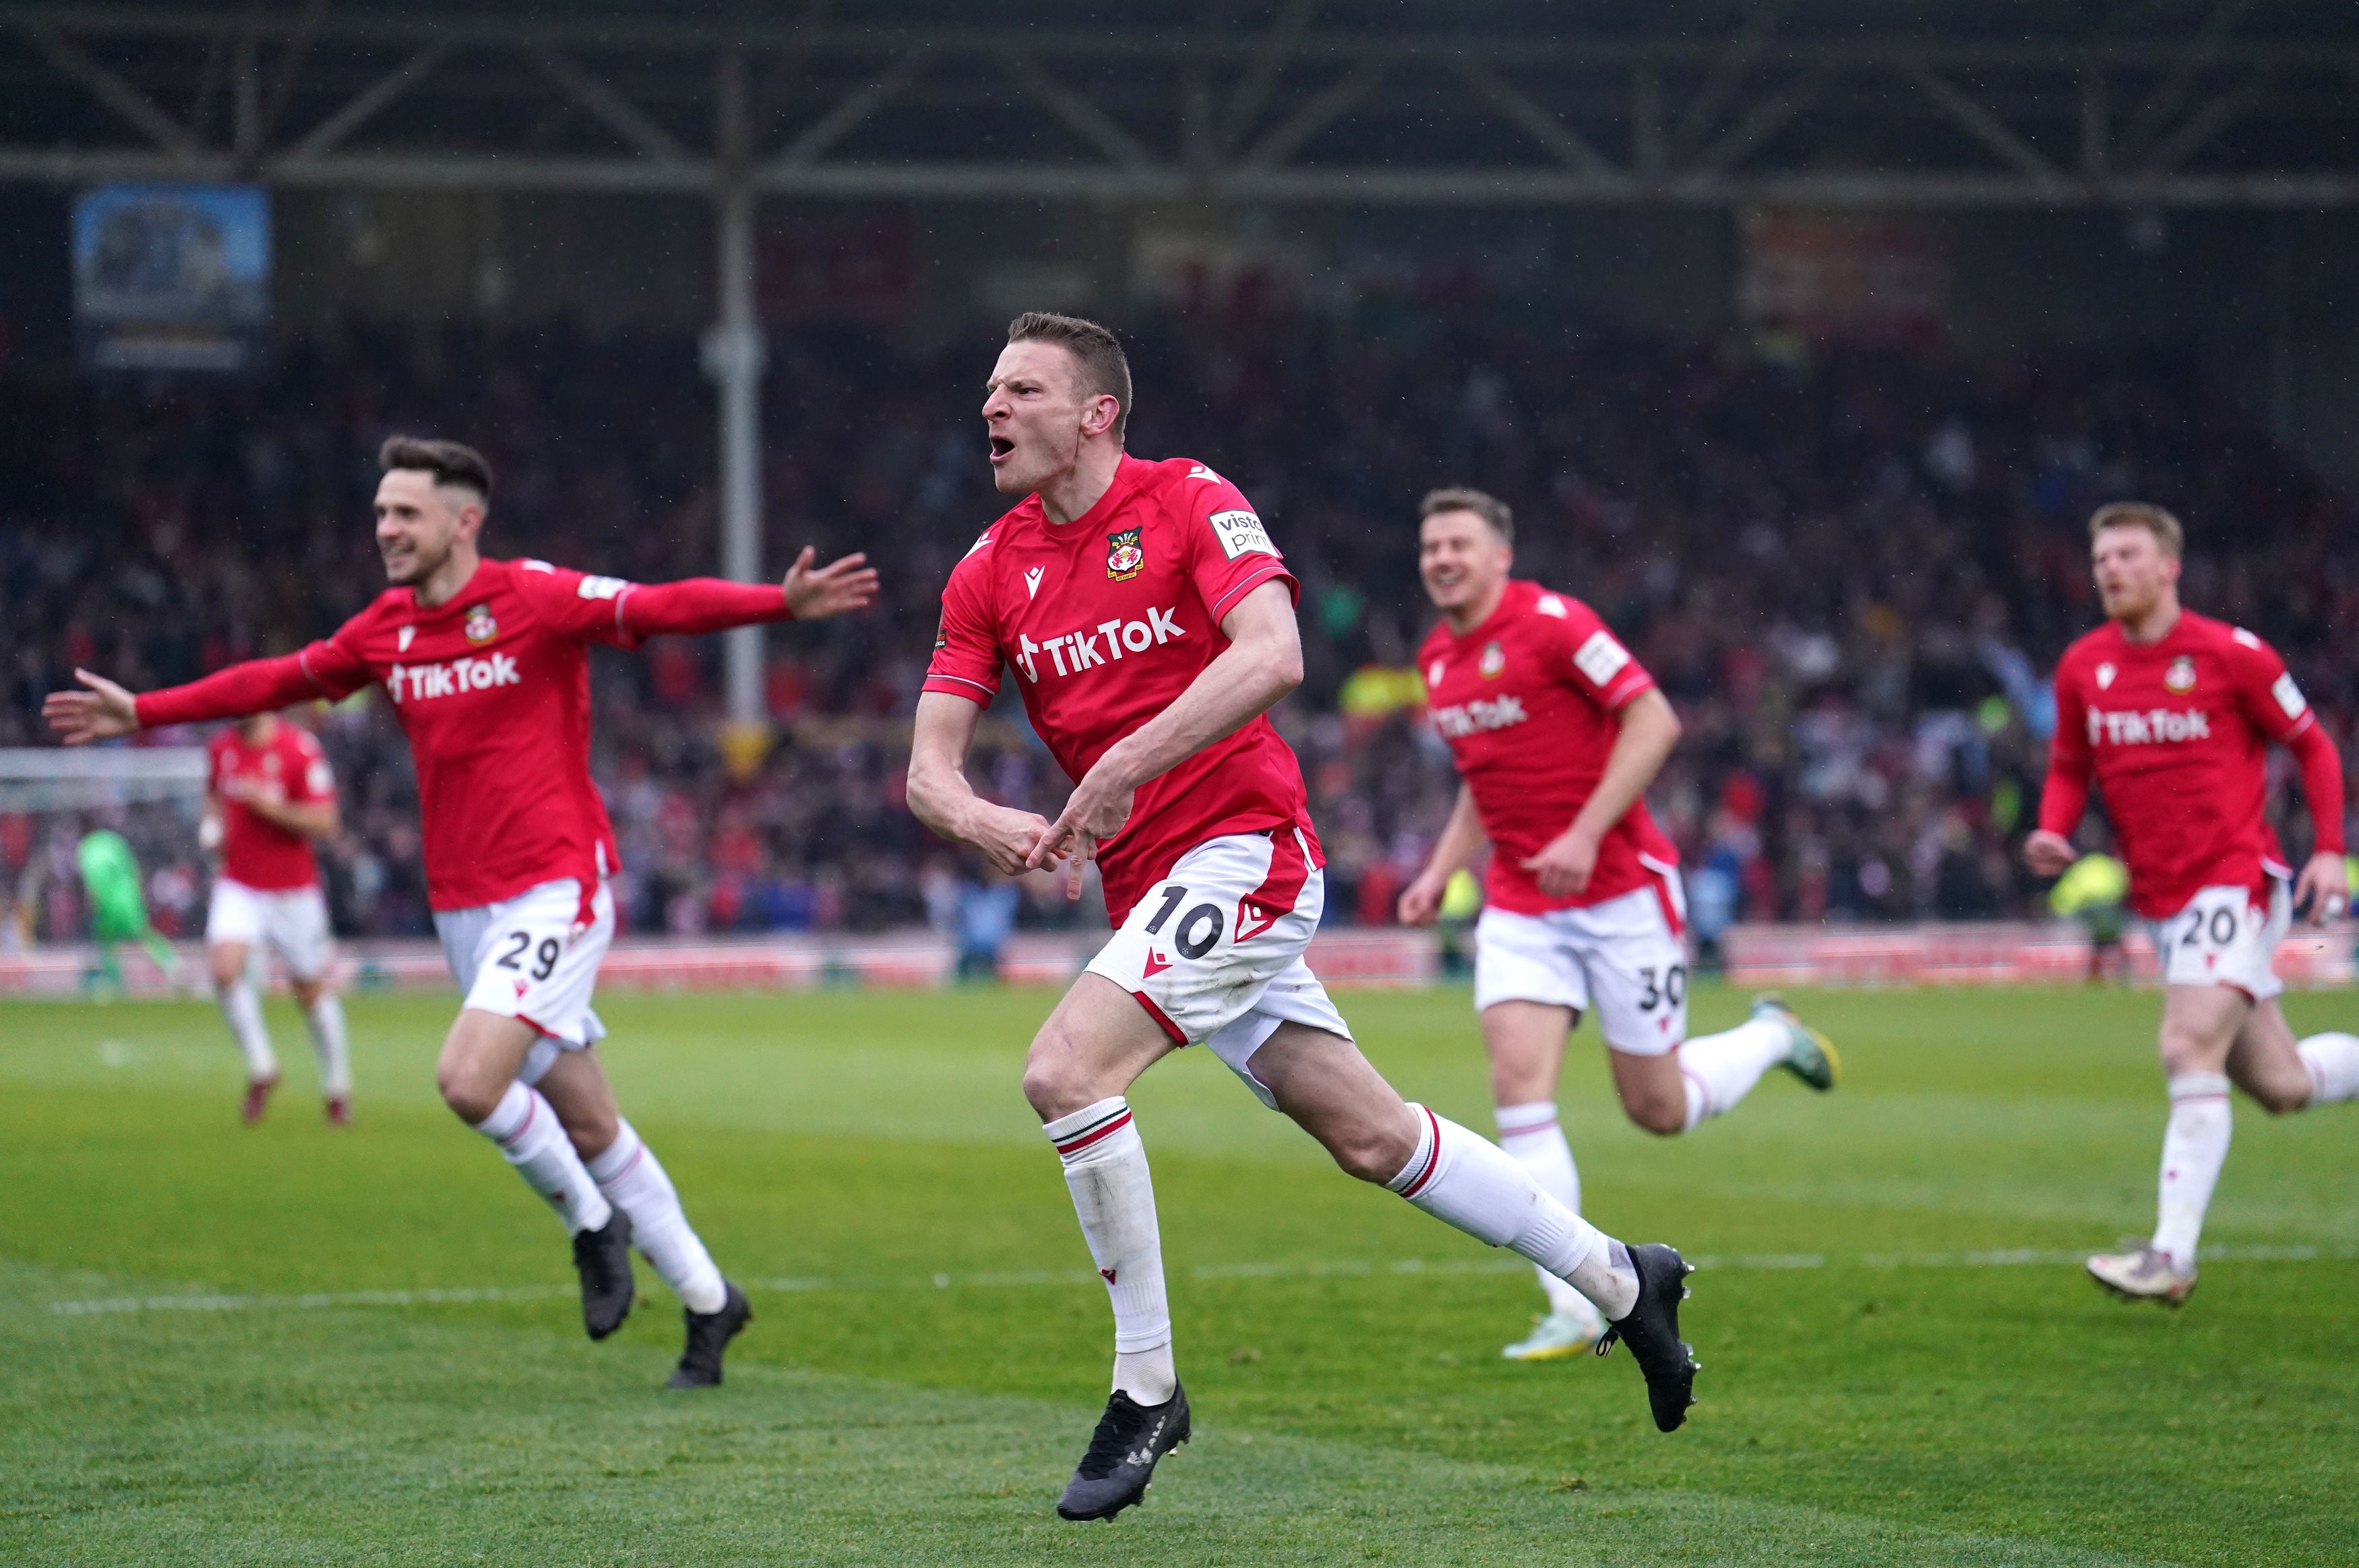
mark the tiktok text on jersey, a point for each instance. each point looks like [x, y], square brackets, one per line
[1526, 702]
[2176, 734]
[493, 689]
[1105, 621]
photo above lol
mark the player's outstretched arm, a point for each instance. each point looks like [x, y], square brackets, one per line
[693, 606]
[1262, 663]
[104, 712]
[1461, 841]
[1650, 731]
[849, 583]
[107, 710]
[941, 798]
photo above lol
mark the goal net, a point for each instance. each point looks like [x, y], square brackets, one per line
[51, 797]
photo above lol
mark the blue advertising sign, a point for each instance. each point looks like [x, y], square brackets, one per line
[171, 277]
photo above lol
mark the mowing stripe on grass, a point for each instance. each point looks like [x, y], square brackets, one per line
[2017, 1258]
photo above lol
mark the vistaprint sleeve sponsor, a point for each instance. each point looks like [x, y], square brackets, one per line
[1228, 549]
[575, 604]
[1596, 664]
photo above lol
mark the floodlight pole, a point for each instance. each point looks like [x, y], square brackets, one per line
[735, 353]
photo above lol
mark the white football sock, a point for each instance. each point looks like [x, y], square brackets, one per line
[1721, 1068]
[525, 1127]
[2334, 1064]
[1105, 1166]
[1473, 1184]
[634, 1181]
[242, 1005]
[2194, 1147]
[326, 1018]
[1530, 1134]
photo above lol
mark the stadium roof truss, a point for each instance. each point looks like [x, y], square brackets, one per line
[2220, 102]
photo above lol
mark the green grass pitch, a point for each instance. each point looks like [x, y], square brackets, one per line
[929, 1348]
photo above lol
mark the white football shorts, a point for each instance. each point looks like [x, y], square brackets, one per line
[1215, 950]
[292, 922]
[522, 959]
[1626, 959]
[2223, 938]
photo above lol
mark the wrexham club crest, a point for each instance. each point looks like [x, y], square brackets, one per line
[1126, 557]
[481, 628]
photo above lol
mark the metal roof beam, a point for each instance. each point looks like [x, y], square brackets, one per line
[1981, 125]
[1567, 145]
[1081, 115]
[1385, 185]
[649, 37]
[848, 110]
[1324, 109]
[77, 66]
[617, 112]
[1727, 74]
[366, 104]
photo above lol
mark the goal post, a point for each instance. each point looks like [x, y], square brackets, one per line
[98, 778]
[50, 796]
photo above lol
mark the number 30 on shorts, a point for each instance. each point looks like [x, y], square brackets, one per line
[1198, 930]
[1663, 985]
[544, 957]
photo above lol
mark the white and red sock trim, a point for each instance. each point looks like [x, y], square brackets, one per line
[1421, 1166]
[1071, 1135]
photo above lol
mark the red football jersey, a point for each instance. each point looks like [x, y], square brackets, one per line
[289, 767]
[1107, 619]
[493, 689]
[2176, 734]
[1526, 702]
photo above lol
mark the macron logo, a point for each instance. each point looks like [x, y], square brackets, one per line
[2132, 728]
[408, 682]
[1077, 651]
[1032, 581]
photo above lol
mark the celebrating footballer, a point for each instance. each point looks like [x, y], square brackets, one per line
[1150, 620]
[486, 663]
[2170, 716]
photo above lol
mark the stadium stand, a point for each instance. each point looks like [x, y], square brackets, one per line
[1851, 572]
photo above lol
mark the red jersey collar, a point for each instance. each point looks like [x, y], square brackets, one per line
[2188, 626]
[1516, 596]
[1126, 475]
[471, 592]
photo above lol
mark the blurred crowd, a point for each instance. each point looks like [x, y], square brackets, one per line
[1850, 569]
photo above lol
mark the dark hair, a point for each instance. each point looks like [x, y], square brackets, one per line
[1105, 370]
[450, 462]
[1484, 504]
[2140, 514]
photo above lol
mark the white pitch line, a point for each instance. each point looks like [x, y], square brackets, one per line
[311, 1300]
[1743, 1262]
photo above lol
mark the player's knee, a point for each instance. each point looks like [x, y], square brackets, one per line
[1053, 1083]
[2184, 1052]
[2282, 1099]
[469, 1092]
[593, 1132]
[1372, 1153]
[1658, 1114]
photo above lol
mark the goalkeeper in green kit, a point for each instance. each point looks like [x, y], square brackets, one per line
[118, 912]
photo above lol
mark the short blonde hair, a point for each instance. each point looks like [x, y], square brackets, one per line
[1460, 498]
[2141, 515]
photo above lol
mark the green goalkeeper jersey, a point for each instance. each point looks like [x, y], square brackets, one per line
[110, 874]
